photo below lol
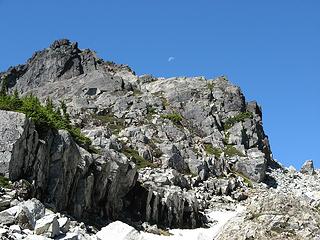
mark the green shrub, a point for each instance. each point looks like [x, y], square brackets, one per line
[114, 123]
[44, 116]
[174, 117]
[150, 112]
[211, 150]
[165, 102]
[210, 85]
[136, 158]
[4, 86]
[137, 92]
[238, 118]
[156, 152]
[231, 151]
[4, 182]
[246, 180]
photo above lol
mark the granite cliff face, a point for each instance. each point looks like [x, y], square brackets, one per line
[202, 126]
[165, 150]
[63, 174]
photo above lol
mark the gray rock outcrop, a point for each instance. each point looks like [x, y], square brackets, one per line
[176, 122]
[194, 133]
[308, 168]
[63, 174]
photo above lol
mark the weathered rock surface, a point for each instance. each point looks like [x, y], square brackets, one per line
[307, 167]
[168, 121]
[48, 225]
[203, 145]
[63, 174]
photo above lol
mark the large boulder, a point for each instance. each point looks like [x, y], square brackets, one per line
[254, 166]
[25, 214]
[48, 226]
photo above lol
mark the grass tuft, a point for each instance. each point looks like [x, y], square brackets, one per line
[174, 117]
[238, 118]
[211, 150]
[231, 151]
[136, 158]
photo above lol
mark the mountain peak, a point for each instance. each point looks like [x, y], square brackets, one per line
[62, 42]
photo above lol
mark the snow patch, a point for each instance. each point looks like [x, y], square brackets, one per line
[121, 231]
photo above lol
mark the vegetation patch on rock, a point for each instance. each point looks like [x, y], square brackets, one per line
[44, 116]
[238, 118]
[4, 182]
[114, 123]
[231, 151]
[211, 150]
[136, 158]
[176, 118]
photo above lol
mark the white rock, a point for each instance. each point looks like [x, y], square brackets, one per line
[27, 231]
[12, 211]
[118, 231]
[15, 229]
[48, 225]
[64, 224]
[48, 212]
[291, 169]
[3, 231]
[35, 207]
[14, 202]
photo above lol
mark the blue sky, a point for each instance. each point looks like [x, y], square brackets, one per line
[270, 48]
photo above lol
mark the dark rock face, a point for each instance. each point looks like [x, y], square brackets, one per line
[63, 60]
[204, 128]
[63, 174]
[164, 207]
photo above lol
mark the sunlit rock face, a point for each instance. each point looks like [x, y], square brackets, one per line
[164, 148]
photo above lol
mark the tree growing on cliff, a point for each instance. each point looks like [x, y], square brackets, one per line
[44, 116]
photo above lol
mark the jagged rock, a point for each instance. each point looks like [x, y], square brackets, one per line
[164, 201]
[307, 168]
[48, 226]
[291, 219]
[162, 177]
[198, 167]
[16, 132]
[24, 189]
[25, 219]
[254, 167]
[24, 214]
[59, 165]
[35, 207]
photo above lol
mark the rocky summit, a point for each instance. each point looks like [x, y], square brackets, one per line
[90, 150]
